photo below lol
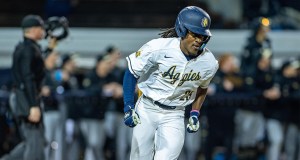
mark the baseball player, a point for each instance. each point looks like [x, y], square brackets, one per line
[172, 72]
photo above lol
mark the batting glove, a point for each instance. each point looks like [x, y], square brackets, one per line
[193, 124]
[131, 118]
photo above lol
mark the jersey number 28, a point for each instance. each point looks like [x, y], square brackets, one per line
[187, 95]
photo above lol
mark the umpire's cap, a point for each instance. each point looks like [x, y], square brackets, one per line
[32, 21]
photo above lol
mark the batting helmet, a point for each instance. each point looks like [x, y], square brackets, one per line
[194, 19]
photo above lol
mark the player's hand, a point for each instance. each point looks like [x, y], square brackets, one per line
[193, 124]
[35, 114]
[131, 118]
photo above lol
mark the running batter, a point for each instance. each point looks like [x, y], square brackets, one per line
[172, 72]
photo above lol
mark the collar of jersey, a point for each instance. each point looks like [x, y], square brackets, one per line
[191, 57]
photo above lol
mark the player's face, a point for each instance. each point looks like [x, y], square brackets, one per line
[264, 30]
[39, 32]
[191, 44]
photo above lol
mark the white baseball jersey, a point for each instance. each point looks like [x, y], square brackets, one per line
[165, 75]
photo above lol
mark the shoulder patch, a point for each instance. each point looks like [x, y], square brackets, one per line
[137, 53]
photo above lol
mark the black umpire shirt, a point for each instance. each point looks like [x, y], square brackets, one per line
[28, 70]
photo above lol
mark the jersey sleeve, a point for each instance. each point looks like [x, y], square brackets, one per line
[140, 61]
[210, 74]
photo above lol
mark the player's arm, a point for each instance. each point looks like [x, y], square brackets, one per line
[200, 97]
[131, 118]
[202, 90]
[129, 83]
[193, 124]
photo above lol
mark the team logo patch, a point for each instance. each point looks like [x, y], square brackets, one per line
[137, 53]
[204, 22]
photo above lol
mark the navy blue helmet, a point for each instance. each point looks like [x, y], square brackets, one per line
[194, 19]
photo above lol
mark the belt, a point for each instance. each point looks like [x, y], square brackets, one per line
[160, 105]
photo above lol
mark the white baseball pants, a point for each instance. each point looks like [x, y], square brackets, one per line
[160, 134]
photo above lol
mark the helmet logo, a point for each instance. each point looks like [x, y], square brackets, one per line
[204, 22]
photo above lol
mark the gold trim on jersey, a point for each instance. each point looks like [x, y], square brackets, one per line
[139, 93]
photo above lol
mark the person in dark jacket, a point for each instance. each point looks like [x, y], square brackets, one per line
[274, 113]
[70, 104]
[249, 117]
[100, 86]
[114, 128]
[28, 73]
[257, 43]
[52, 116]
[290, 83]
[228, 86]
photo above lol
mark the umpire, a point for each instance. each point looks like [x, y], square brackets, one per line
[28, 73]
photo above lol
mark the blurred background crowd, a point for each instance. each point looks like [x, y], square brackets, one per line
[252, 110]
[230, 14]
